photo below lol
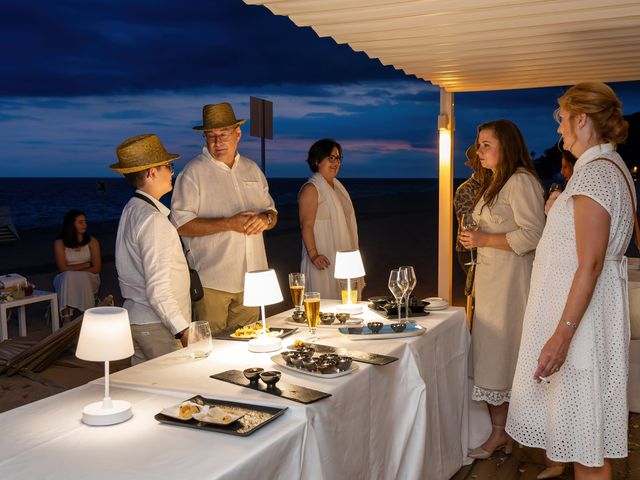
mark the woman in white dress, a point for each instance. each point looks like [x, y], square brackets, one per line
[510, 216]
[77, 256]
[570, 388]
[327, 219]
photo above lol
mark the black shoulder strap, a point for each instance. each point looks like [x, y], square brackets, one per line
[146, 199]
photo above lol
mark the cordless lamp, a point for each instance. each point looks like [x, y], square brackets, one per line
[261, 288]
[105, 335]
[348, 265]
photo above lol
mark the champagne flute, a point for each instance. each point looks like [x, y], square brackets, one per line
[397, 284]
[469, 225]
[312, 310]
[410, 275]
[296, 287]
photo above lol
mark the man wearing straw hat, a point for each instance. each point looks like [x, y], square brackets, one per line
[152, 269]
[221, 205]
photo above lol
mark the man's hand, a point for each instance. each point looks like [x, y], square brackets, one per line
[550, 201]
[239, 220]
[184, 340]
[257, 223]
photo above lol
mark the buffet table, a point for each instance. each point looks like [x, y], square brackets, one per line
[408, 419]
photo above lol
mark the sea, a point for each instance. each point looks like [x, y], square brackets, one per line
[37, 203]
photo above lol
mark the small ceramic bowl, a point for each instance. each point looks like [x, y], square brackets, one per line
[253, 374]
[344, 363]
[343, 317]
[375, 327]
[270, 378]
[327, 318]
[398, 327]
[329, 357]
[327, 367]
[310, 364]
[287, 357]
[299, 316]
[297, 359]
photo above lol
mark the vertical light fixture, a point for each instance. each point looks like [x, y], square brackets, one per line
[105, 335]
[348, 265]
[261, 288]
[446, 126]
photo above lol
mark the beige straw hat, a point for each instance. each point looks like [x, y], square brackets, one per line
[141, 153]
[219, 115]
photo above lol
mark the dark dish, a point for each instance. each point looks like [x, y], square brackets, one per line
[375, 327]
[343, 317]
[253, 374]
[327, 367]
[327, 318]
[329, 357]
[344, 363]
[398, 327]
[270, 378]
[297, 359]
[299, 316]
[310, 364]
[287, 357]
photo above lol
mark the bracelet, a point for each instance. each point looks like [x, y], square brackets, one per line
[572, 325]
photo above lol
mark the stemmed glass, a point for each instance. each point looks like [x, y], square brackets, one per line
[469, 225]
[312, 310]
[410, 276]
[296, 287]
[398, 285]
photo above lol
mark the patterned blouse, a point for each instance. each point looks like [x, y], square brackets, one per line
[463, 202]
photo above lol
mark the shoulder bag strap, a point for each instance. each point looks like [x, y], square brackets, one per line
[635, 210]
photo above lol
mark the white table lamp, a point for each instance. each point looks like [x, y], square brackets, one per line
[105, 335]
[348, 265]
[261, 288]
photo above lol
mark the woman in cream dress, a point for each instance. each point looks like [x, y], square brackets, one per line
[510, 216]
[327, 219]
[570, 387]
[77, 256]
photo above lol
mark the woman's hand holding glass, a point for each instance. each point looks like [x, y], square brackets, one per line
[468, 236]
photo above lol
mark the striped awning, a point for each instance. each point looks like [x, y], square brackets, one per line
[474, 45]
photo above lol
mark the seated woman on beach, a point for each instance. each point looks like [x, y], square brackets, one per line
[327, 219]
[78, 259]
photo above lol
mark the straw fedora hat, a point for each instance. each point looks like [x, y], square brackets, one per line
[140, 153]
[219, 115]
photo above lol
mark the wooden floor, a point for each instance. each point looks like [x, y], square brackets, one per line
[525, 463]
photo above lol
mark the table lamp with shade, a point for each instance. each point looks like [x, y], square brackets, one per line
[261, 288]
[348, 265]
[105, 335]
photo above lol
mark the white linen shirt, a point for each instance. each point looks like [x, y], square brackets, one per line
[152, 270]
[208, 188]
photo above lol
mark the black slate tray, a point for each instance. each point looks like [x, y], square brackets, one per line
[282, 389]
[357, 355]
[226, 334]
[254, 417]
[414, 311]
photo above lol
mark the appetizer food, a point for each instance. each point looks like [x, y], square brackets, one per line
[248, 331]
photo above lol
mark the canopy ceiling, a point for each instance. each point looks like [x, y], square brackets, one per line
[473, 45]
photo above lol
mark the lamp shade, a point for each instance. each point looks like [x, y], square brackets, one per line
[348, 264]
[261, 287]
[105, 335]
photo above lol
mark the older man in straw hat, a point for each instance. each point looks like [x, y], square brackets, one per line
[152, 269]
[221, 205]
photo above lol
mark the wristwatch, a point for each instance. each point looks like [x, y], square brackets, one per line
[179, 335]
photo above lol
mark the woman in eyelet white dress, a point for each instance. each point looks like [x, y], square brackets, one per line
[569, 393]
[77, 256]
[510, 216]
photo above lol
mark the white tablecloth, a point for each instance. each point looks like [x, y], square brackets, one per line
[408, 419]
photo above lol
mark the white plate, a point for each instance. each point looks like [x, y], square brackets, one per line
[435, 302]
[413, 330]
[174, 410]
[277, 359]
[429, 308]
[216, 416]
[352, 322]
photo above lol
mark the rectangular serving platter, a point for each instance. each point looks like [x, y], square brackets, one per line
[356, 355]
[364, 333]
[226, 334]
[278, 360]
[253, 417]
[334, 325]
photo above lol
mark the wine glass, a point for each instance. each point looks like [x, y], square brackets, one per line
[410, 275]
[199, 342]
[398, 284]
[312, 310]
[296, 287]
[469, 225]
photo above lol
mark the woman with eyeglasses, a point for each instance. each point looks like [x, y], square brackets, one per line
[77, 256]
[327, 219]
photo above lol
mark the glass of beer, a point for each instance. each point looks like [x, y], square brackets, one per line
[312, 310]
[296, 287]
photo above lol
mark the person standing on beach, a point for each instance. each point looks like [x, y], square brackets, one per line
[221, 205]
[327, 219]
[152, 269]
